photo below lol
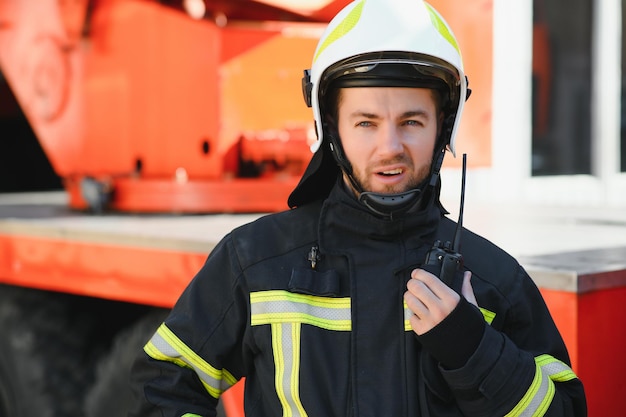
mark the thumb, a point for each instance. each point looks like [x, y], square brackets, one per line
[467, 290]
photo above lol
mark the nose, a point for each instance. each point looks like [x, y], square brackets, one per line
[389, 142]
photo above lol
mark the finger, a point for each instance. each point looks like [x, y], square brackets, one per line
[422, 292]
[418, 325]
[419, 320]
[425, 317]
[429, 309]
[414, 303]
[436, 286]
[467, 290]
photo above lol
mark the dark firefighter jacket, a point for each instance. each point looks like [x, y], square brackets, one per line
[308, 306]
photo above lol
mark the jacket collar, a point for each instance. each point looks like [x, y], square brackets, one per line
[344, 222]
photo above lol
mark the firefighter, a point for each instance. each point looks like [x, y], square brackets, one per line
[339, 306]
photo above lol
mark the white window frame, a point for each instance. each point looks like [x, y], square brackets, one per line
[509, 179]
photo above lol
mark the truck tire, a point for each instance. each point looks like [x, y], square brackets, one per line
[43, 367]
[111, 393]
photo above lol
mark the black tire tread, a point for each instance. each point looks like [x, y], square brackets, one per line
[44, 364]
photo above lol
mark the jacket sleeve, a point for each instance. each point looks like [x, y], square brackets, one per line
[196, 354]
[521, 368]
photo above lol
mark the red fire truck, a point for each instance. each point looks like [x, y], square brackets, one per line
[165, 123]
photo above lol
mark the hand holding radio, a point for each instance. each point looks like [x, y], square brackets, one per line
[431, 301]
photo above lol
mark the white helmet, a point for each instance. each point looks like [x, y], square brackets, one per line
[367, 32]
[404, 43]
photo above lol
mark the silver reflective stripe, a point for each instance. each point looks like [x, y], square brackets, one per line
[537, 400]
[286, 348]
[269, 307]
[166, 346]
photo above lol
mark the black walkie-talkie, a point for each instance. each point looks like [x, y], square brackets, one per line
[446, 256]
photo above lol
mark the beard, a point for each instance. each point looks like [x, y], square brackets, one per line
[414, 181]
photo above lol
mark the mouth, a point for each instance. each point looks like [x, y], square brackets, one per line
[391, 172]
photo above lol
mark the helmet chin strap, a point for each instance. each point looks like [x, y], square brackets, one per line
[390, 204]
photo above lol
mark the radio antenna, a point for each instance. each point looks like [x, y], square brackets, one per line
[459, 225]
[447, 256]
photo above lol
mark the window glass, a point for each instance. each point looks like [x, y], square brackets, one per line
[561, 96]
[623, 101]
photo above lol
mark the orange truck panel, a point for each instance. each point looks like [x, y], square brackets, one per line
[135, 91]
[472, 24]
[111, 271]
[150, 94]
[588, 323]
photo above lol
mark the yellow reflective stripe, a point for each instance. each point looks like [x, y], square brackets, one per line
[488, 315]
[270, 307]
[295, 372]
[155, 353]
[191, 415]
[407, 316]
[313, 300]
[442, 28]
[557, 371]
[537, 400]
[286, 349]
[345, 26]
[166, 346]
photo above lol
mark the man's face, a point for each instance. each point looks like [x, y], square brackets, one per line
[388, 134]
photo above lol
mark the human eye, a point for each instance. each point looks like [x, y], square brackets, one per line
[413, 122]
[364, 123]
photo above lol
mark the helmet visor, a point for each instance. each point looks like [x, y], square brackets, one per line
[394, 70]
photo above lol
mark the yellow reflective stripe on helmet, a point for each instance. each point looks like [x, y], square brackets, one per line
[539, 396]
[191, 415]
[345, 26]
[269, 307]
[166, 346]
[442, 28]
[487, 315]
[286, 349]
